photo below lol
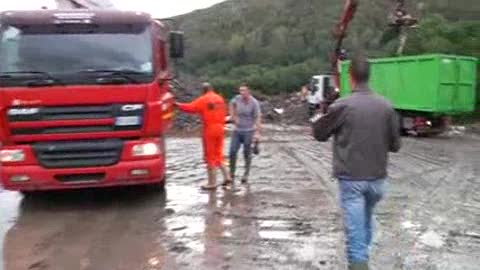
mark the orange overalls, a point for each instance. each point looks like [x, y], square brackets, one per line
[212, 109]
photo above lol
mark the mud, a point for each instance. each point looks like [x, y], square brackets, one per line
[286, 218]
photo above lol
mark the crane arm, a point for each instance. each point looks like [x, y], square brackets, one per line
[399, 18]
[340, 32]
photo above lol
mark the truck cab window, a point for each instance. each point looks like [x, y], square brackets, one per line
[9, 47]
[68, 52]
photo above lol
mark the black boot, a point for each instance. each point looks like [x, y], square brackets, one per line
[248, 162]
[233, 166]
[358, 266]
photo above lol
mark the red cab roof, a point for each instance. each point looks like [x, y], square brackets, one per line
[70, 16]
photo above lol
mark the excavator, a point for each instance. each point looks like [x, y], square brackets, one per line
[324, 89]
[399, 19]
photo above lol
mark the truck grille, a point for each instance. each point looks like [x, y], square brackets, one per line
[72, 116]
[66, 113]
[57, 130]
[80, 178]
[78, 154]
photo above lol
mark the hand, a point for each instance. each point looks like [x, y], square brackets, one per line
[317, 116]
[256, 136]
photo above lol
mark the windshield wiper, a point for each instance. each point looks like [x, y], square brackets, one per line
[123, 73]
[44, 77]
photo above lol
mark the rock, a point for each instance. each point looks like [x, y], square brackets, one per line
[432, 239]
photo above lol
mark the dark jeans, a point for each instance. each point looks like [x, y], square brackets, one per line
[358, 200]
[240, 138]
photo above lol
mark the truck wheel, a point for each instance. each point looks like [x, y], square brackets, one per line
[158, 187]
[29, 194]
[403, 131]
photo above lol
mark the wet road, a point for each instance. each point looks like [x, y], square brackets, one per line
[287, 218]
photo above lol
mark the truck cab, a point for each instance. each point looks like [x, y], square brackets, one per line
[85, 98]
[320, 88]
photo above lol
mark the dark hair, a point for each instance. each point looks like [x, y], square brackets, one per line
[206, 86]
[360, 68]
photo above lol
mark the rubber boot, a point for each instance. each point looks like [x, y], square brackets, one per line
[358, 266]
[227, 180]
[212, 180]
[233, 167]
[248, 162]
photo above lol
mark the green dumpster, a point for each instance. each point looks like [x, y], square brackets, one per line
[434, 84]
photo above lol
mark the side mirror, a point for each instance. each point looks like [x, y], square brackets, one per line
[176, 44]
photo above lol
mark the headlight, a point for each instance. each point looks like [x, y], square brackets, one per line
[147, 149]
[12, 156]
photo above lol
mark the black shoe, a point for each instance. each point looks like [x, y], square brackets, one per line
[244, 179]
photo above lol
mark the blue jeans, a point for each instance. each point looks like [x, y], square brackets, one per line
[358, 200]
[240, 138]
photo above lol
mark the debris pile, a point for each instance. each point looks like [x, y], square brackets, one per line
[284, 109]
[185, 90]
[287, 109]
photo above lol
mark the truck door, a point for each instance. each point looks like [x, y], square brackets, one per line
[164, 76]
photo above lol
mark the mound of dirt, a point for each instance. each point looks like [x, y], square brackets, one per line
[285, 109]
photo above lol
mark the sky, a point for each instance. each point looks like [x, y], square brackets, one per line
[158, 8]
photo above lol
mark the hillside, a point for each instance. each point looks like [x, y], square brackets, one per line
[276, 45]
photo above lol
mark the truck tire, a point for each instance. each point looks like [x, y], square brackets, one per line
[29, 194]
[403, 131]
[158, 187]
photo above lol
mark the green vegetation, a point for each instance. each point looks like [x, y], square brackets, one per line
[276, 45]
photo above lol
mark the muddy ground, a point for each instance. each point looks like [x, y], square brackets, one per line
[286, 218]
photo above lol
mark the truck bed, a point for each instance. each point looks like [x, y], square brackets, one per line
[438, 84]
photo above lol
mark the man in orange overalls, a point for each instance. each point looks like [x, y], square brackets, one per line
[212, 109]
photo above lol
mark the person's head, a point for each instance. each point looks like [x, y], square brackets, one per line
[206, 87]
[359, 70]
[244, 91]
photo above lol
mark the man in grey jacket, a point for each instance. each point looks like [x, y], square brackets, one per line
[365, 128]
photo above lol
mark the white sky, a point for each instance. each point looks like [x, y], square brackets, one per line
[158, 8]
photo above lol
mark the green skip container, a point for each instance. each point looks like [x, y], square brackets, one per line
[434, 84]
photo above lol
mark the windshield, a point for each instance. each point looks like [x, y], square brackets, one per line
[69, 54]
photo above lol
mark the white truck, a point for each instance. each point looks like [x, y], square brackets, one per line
[319, 92]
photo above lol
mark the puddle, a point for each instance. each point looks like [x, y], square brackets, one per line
[265, 224]
[9, 202]
[276, 235]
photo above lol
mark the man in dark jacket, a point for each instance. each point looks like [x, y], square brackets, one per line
[365, 128]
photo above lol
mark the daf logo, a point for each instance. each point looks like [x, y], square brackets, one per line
[23, 111]
[132, 107]
[19, 102]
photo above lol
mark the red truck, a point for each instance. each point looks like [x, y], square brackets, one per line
[85, 98]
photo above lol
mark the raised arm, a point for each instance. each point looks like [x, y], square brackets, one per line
[192, 107]
[330, 122]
